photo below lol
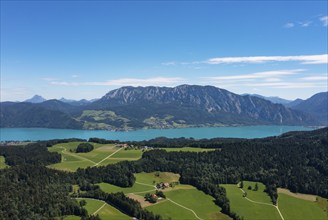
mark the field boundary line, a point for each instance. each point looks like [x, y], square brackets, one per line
[263, 203]
[107, 157]
[185, 208]
[99, 208]
[145, 184]
[64, 151]
[151, 190]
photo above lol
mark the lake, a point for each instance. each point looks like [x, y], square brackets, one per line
[21, 134]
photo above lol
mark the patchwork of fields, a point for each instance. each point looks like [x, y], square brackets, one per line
[102, 155]
[183, 201]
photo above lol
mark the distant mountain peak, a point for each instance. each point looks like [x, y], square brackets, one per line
[36, 99]
[273, 99]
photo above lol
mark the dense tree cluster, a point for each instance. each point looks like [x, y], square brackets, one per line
[84, 148]
[33, 153]
[117, 174]
[36, 192]
[163, 142]
[102, 141]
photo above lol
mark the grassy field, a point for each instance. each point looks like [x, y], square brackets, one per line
[291, 207]
[106, 212]
[258, 195]
[294, 208]
[190, 198]
[184, 195]
[247, 209]
[2, 162]
[103, 154]
[144, 182]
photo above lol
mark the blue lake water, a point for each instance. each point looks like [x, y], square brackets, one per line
[34, 134]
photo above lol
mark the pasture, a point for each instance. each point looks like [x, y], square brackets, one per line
[247, 209]
[295, 208]
[291, 207]
[182, 202]
[104, 210]
[2, 162]
[103, 154]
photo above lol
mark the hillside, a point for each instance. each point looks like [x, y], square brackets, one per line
[316, 105]
[154, 107]
[35, 115]
[188, 105]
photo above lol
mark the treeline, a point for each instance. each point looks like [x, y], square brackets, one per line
[35, 192]
[33, 153]
[163, 142]
[118, 174]
[84, 148]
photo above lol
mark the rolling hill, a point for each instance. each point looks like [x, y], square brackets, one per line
[316, 105]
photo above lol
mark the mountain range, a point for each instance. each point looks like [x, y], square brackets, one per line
[163, 107]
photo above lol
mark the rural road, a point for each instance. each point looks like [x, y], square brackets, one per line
[185, 208]
[172, 200]
[64, 151]
[107, 157]
[262, 203]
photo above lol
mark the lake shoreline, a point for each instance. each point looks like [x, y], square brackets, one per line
[254, 131]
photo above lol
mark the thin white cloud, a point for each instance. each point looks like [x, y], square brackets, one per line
[305, 59]
[305, 23]
[288, 85]
[316, 78]
[75, 76]
[324, 20]
[156, 81]
[273, 75]
[171, 63]
[289, 25]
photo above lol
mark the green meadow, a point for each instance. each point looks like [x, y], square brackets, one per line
[183, 201]
[103, 154]
[294, 208]
[290, 207]
[189, 198]
[101, 208]
[2, 162]
[247, 209]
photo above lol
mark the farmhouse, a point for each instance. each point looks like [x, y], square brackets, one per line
[163, 185]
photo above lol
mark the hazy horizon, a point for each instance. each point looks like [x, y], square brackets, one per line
[82, 50]
[58, 98]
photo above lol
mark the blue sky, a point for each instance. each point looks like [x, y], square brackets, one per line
[83, 49]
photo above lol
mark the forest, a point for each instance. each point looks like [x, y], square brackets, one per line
[295, 160]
